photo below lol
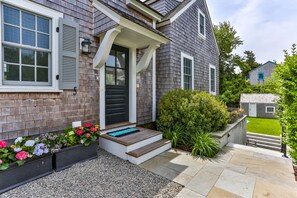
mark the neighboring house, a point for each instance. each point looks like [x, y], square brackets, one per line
[47, 81]
[261, 73]
[259, 105]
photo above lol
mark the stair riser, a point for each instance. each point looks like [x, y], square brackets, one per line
[265, 143]
[144, 143]
[262, 136]
[113, 148]
[264, 140]
[265, 147]
[149, 155]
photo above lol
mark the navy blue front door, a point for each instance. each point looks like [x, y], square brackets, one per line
[117, 85]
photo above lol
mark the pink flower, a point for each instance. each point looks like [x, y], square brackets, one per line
[2, 144]
[79, 132]
[1, 162]
[88, 135]
[87, 125]
[93, 130]
[22, 155]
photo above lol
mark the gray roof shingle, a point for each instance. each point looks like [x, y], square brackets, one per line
[259, 98]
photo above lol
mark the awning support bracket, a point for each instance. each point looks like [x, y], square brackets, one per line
[105, 47]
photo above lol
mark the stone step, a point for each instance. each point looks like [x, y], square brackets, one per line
[261, 141]
[250, 134]
[266, 147]
[149, 151]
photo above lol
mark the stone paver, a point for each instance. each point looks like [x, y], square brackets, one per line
[236, 183]
[187, 193]
[238, 171]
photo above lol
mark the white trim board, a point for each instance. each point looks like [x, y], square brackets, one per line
[215, 69]
[201, 35]
[183, 55]
[144, 9]
[54, 16]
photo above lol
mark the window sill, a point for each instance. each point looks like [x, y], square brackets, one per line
[213, 93]
[32, 89]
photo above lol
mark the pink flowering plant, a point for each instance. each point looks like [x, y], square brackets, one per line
[20, 151]
[85, 135]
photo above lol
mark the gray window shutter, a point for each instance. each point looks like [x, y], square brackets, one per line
[68, 54]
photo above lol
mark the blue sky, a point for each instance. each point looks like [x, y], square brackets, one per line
[267, 27]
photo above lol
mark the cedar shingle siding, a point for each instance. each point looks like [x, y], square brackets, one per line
[185, 38]
[25, 114]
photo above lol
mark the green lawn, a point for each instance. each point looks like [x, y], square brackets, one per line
[264, 126]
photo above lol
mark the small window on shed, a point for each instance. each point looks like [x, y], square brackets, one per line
[270, 109]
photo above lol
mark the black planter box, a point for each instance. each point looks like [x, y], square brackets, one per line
[66, 157]
[33, 169]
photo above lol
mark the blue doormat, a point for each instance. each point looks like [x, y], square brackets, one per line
[123, 132]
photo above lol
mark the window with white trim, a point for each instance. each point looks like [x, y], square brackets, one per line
[212, 79]
[28, 47]
[187, 71]
[201, 24]
[270, 109]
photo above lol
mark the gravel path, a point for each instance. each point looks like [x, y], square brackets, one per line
[107, 176]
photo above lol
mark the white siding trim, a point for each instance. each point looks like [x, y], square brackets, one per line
[183, 55]
[201, 35]
[266, 107]
[54, 16]
[178, 14]
[212, 67]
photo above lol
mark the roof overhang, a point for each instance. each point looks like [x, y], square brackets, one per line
[131, 26]
[144, 9]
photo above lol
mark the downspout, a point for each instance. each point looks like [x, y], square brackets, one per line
[154, 82]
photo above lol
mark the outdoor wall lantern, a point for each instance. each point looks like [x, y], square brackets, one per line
[86, 46]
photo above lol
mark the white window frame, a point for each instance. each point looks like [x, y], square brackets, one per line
[183, 55]
[215, 88]
[266, 107]
[54, 17]
[201, 13]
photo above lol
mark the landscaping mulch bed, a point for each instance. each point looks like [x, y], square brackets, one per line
[107, 176]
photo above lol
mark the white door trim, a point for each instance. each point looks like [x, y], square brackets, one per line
[252, 109]
[132, 84]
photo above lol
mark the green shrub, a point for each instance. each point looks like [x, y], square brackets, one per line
[186, 117]
[235, 115]
[287, 105]
[192, 111]
[204, 145]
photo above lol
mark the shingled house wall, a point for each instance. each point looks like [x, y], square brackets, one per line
[189, 42]
[25, 114]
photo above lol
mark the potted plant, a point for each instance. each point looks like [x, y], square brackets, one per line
[78, 144]
[26, 160]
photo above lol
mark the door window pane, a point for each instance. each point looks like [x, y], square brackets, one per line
[28, 57]
[28, 37]
[11, 34]
[42, 59]
[43, 25]
[42, 74]
[121, 59]
[28, 73]
[111, 59]
[11, 15]
[11, 72]
[121, 77]
[110, 76]
[28, 20]
[42, 41]
[11, 54]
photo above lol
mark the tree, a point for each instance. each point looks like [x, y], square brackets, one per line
[287, 105]
[227, 41]
[250, 60]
